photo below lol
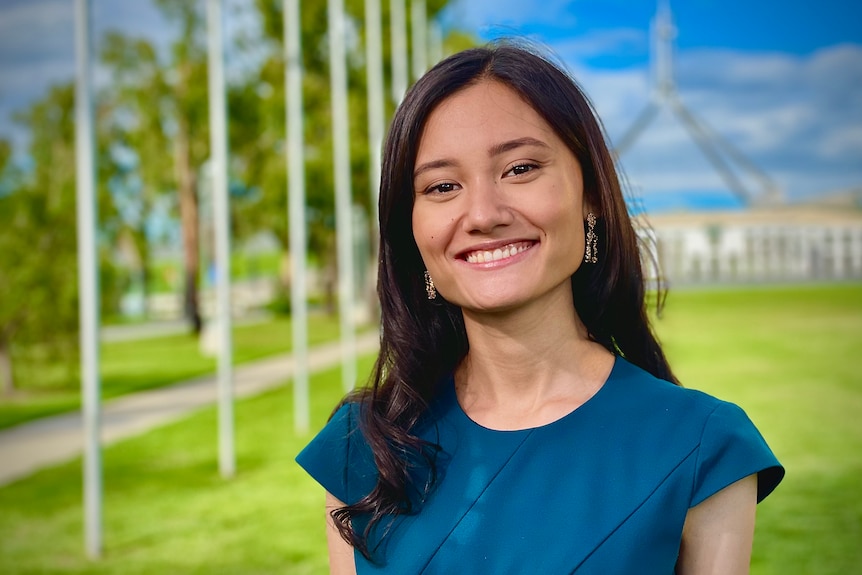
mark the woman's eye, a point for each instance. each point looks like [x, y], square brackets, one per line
[521, 169]
[442, 188]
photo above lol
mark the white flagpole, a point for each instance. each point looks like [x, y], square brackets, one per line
[398, 35]
[419, 28]
[343, 200]
[295, 158]
[376, 121]
[221, 226]
[88, 281]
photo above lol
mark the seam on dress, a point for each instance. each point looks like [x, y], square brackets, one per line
[475, 501]
[696, 475]
[636, 509]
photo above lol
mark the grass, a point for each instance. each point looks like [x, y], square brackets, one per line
[129, 366]
[168, 511]
[788, 356]
[785, 354]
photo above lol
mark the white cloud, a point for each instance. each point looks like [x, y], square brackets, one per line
[37, 45]
[797, 118]
[618, 41]
[36, 50]
[838, 142]
[24, 21]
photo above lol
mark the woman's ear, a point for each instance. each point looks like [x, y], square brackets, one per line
[589, 206]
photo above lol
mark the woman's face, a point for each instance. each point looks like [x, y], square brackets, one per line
[499, 207]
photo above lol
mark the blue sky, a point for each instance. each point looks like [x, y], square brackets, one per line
[781, 81]
[798, 27]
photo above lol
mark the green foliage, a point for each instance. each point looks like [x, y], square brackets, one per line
[786, 355]
[38, 248]
[140, 168]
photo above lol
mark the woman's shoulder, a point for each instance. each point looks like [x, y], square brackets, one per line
[656, 406]
[728, 444]
[647, 390]
[338, 447]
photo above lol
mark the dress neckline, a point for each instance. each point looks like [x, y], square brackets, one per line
[588, 405]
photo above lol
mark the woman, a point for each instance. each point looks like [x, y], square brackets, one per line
[521, 416]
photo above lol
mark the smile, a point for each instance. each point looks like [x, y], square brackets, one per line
[501, 253]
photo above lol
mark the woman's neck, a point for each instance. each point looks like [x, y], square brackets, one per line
[529, 366]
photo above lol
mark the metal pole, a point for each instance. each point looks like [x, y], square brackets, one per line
[296, 211]
[398, 35]
[221, 226]
[88, 282]
[640, 124]
[419, 27]
[376, 121]
[343, 212]
[435, 42]
[663, 32]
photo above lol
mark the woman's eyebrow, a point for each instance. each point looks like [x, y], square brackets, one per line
[433, 165]
[509, 145]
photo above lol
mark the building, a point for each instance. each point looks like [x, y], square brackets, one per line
[776, 244]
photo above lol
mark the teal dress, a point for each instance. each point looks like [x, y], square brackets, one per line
[604, 490]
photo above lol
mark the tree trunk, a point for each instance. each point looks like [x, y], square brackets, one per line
[146, 276]
[146, 272]
[6, 377]
[187, 187]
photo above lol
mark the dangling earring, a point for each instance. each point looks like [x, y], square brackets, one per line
[430, 288]
[592, 252]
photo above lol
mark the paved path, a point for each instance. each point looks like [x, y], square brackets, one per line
[51, 440]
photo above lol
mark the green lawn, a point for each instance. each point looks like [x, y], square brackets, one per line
[784, 354]
[128, 366]
[787, 355]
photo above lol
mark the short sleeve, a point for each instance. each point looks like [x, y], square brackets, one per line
[732, 448]
[338, 457]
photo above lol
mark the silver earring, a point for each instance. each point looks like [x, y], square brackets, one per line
[430, 288]
[592, 252]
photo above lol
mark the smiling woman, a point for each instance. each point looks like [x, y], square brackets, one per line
[522, 417]
[496, 194]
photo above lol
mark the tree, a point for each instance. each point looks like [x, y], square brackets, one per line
[191, 136]
[38, 310]
[160, 113]
[38, 247]
[138, 145]
[38, 258]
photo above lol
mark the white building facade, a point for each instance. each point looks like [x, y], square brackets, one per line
[790, 243]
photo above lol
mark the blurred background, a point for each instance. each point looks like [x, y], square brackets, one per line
[738, 128]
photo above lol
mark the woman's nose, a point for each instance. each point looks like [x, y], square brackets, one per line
[486, 207]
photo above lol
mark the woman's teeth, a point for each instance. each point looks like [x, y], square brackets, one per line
[485, 256]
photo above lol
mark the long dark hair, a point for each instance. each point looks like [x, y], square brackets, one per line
[423, 341]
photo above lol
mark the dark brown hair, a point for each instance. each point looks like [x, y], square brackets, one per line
[423, 341]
